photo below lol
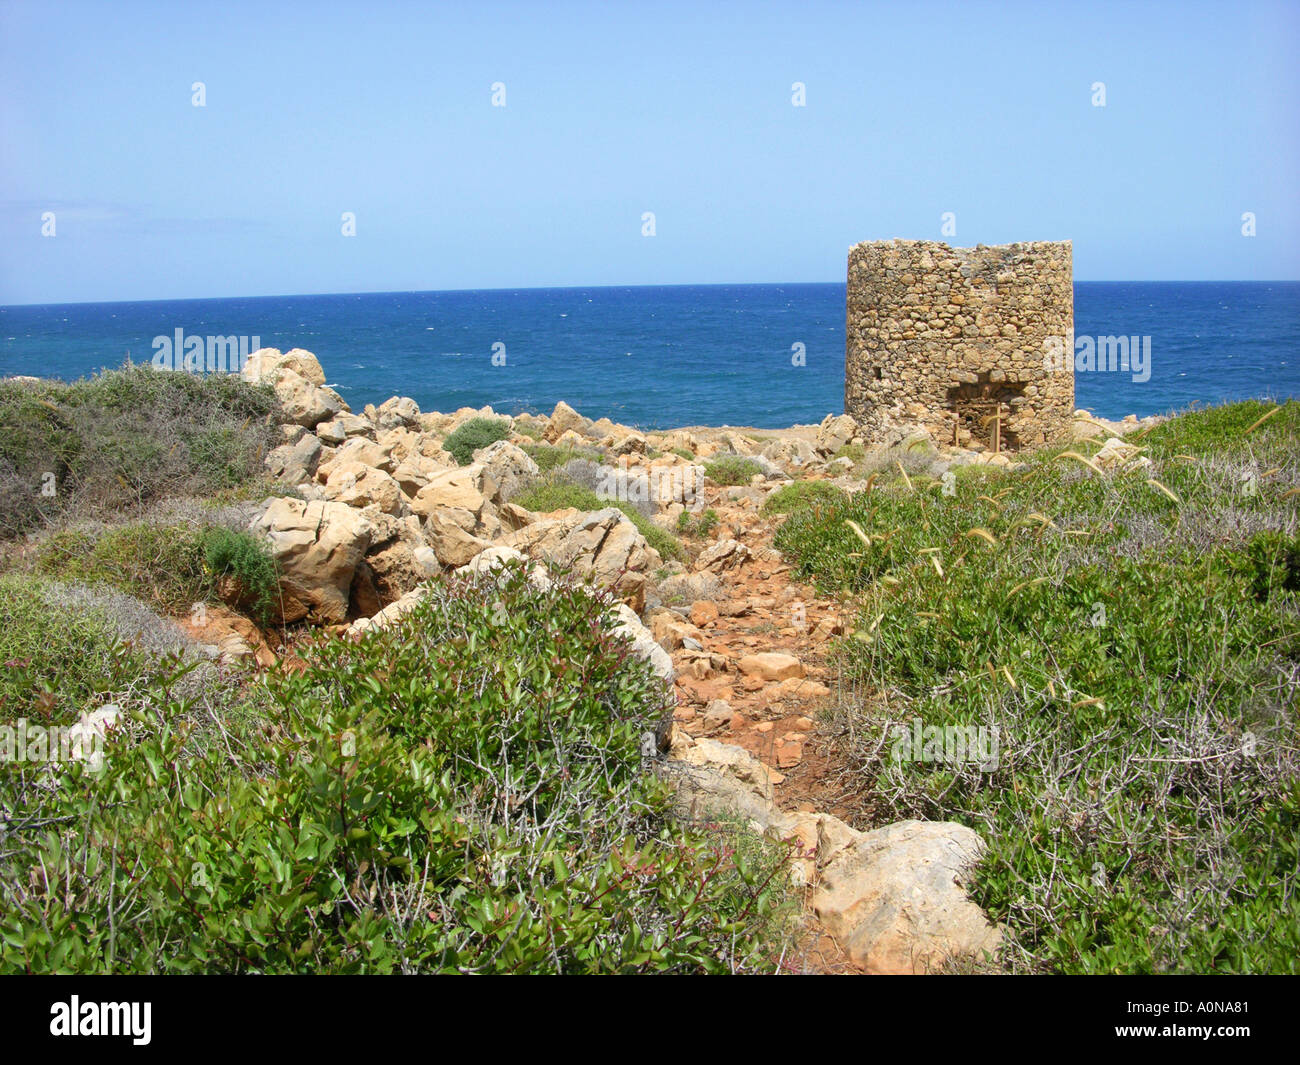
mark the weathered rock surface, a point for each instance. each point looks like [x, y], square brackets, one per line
[318, 545]
[895, 900]
[603, 544]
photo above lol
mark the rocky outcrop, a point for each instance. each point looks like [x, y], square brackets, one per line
[564, 419]
[604, 545]
[834, 432]
[318, 546]
[509, 466]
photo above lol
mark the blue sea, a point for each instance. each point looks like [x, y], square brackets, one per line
[663, 356]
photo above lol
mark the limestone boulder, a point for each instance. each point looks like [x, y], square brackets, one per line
[834, 432]
[509, 466]
[417, 470]
[359, 485]
[318, 545]
[398, 412]
[895, 900]
[790, 451]
[565, 419]
[721, 556]
[631, 629]
[342, 426]
[301, 401]
[604, 545]
[263, 363]
[357, 450]
[471, 488]
[297, 462]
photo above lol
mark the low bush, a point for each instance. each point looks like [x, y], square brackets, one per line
[246, 560]
[557, 492]
[548, 457]
[800, 495]
[731, 469]
[123, 439]
[474, 434]
[697, 525]
[462, 793]
[160, 564]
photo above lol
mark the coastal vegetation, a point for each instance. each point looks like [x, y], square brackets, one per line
[463, 793]
[1131, 632]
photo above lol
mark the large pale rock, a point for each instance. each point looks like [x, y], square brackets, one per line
[301, 401]
[790, 451]
[295, 463]
[671, 632]
[359, 450]
[398, 412]
[359, 485]
[721, 556]
[895, 900]
[510, 467]
[451, 532]
[390, 615]
[643, 642]
[342, 426]
[468, 488]
[399, 557]
[318, 546]
[263, 363]
[604, 545]
[834, 432]
[417, 470]
[565, 419]
[771, 665]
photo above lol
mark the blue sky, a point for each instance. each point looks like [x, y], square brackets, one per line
[384, 109]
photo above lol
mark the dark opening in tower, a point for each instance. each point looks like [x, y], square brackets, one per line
[983, 408]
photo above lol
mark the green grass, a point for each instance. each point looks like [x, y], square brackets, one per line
[462, 793]
[474, 434]
[161, 565]
[1138, 658]
[731, 470]
[556, 493]
[166, 566]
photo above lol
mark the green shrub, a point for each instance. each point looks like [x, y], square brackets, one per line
[462, 793]
[800, 495]
[731, 470]
[697, 525]
[161, 565]
[123, 439]
[248, 561]
[685, 453]
[55, 662]
[474, 434]
[548, 457]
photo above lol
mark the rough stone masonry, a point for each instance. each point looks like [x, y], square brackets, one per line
[953, 340]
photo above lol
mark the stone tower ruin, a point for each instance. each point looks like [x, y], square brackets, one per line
[954, 340]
